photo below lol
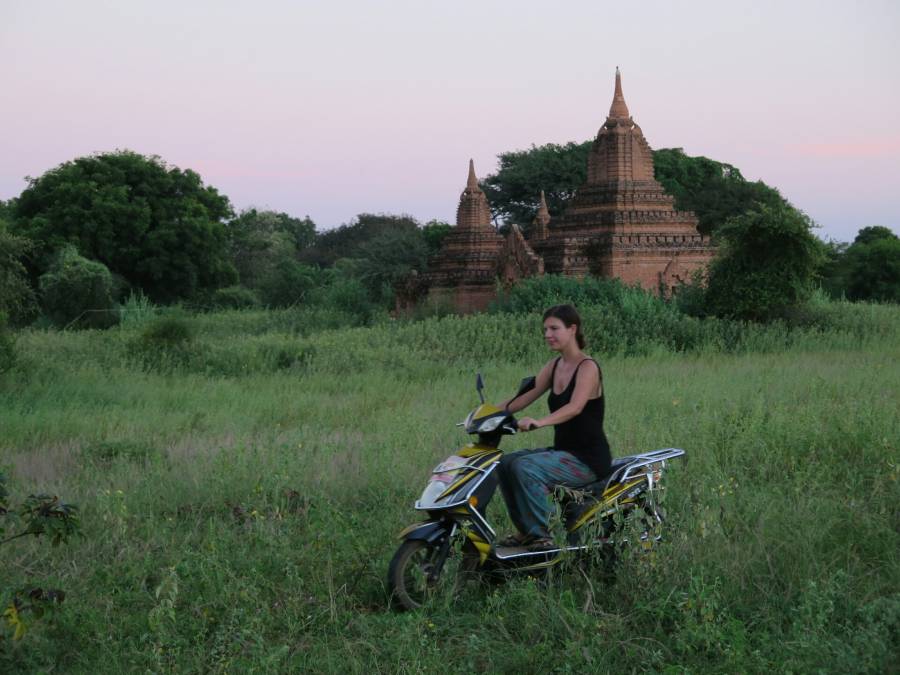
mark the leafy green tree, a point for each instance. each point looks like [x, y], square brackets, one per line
[78, 292]
[714, 190]
[158, 227]
[287, 283]
[389, 258]
[17, 298]
[7, 346]
[873, 233]
[872, 264]
[514, 191]
[259, 240]
[433, 232]
[351, 240]
[766, 264]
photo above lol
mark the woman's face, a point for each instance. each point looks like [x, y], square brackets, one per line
[557, 335]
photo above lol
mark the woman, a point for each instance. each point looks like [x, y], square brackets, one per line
[580, 452]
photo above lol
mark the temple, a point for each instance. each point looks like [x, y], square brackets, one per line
[620, 223]
[464, 272]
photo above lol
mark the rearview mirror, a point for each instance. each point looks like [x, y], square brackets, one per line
[526, 385]
[479, 387]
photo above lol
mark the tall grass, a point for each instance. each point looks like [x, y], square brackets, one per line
[240, 507]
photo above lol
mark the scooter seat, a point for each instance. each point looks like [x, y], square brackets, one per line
[596, 488]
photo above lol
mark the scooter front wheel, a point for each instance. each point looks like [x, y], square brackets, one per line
[413, 573]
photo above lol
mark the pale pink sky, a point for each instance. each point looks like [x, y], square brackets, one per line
[335, 108]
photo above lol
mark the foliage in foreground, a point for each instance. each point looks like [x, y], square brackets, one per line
[38, 515]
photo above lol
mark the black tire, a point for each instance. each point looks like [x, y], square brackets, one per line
[410, 574]
[411, 579]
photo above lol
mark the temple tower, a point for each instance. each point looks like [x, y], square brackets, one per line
[621, 223]
[464, 272]
[539, 225]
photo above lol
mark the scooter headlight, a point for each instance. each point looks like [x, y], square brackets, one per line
[490, 424]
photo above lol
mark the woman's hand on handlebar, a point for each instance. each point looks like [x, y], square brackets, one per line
[528, 424]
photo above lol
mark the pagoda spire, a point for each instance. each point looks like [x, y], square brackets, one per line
[541, 220]
[472, 182]
[618, 109]
[543, 211]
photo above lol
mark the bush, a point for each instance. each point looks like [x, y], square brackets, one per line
[17, 298]
[165, 344]
[77, 292]
[345, 295]
[767, 261]
[538, 293]
[136, 310]
[234, 297]
[287, 284]
[7, 346]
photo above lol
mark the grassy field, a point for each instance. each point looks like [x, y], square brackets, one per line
[241, 497]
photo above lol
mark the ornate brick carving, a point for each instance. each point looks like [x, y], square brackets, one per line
[517, 260]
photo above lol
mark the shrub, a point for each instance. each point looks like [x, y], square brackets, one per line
[538, 293]
[235, 297]
[165, 344]
[17, 298]
[287, 284]
[7, 346]
[137, 309]
[346, 295]
[77, 292]
[766, 264]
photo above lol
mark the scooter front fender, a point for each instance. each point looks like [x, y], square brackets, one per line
[430, 531]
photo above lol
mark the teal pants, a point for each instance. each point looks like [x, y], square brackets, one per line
[527, 478]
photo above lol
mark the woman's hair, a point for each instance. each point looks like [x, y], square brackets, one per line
[569, 316]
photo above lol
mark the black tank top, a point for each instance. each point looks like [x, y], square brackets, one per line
[582, 435]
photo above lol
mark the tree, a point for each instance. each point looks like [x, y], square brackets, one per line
[389, 258]
[78, 292]
[873, 233]
[433, 232]
[715, 191]
[260, 240]
[158, 227]
[17, 298]
[872, 264]
[514, 191]
[352, 239]
[765, 266]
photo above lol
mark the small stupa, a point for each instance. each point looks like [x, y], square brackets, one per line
[464, 272]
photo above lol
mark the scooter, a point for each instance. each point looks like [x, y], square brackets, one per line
[461, 487]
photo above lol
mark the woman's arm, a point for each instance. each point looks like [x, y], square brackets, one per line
[541, 384]
[585, 386]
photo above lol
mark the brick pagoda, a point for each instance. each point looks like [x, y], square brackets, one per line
[621, 223]
[464, 272]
